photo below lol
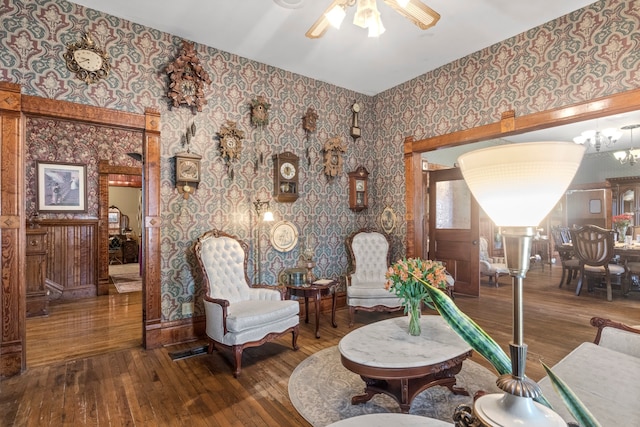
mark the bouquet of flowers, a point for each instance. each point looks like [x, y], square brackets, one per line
[622, 220]
[401, 280]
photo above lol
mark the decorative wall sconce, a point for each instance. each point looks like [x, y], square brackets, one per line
[264, 215]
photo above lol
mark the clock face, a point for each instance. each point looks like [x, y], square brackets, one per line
[188, 170]
[359, 185]
[287, 170]
[88, 59]
[188, 88]
[356, 107]
[230, 142]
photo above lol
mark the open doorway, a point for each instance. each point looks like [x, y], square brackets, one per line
[125, 235]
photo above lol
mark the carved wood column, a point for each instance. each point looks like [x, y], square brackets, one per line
[152, 298]
[12, 233]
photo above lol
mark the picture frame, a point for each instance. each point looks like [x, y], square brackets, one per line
[388, 220]
[61, 187]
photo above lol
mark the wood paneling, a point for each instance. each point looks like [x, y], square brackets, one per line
[12, 232]
[72, 260]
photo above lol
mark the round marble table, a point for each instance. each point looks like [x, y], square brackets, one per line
[391, 361]
[386, 420]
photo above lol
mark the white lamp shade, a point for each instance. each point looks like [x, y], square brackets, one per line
[268, 216]
[517, 185]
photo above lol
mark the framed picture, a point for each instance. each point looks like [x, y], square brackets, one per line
[62, 187]
[595, 206]
[388, 220]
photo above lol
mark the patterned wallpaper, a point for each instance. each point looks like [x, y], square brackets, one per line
[589, 53]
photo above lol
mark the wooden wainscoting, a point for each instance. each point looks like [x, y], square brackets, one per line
[72, 257]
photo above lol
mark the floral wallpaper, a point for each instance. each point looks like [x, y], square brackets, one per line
[589, 53]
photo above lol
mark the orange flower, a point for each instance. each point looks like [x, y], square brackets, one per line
[402, 279]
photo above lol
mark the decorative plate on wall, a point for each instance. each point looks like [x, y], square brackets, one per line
[388, 220]
[284, 236]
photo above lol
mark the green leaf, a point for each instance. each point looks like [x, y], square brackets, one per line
[575, 406]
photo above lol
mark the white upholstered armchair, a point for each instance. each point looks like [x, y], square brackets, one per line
[489, 266]
[369, 256]
[239, 315]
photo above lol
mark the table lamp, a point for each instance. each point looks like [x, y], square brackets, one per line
[517, 185]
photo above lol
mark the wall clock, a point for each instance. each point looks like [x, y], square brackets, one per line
[87, 60]
[187, 172]
[358, 189]
[333, 150]
[355, 128]
[285, 177]
[260, 111]
[187, 79]
[230, 141]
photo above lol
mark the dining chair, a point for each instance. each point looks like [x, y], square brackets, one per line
[570, 264]
[594, 247]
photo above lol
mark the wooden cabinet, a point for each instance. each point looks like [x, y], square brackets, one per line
[626, 197]
[129, 251]
[36, 266]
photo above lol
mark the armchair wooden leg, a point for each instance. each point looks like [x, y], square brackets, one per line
[352, 313]
[294, 338]
[564, 272]
[212, 347]
[609, 292]
[237, 356]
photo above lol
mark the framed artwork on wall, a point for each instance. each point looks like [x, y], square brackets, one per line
[61, 187]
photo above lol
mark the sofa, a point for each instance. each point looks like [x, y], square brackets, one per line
[605, 375]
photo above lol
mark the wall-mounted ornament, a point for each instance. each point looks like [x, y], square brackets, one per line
[309, 125]
[333, 151]
[260, 111]
[388, 220]
[355, 129]
[187, 79]
[285, 177]
[230, 143]
[88, 61]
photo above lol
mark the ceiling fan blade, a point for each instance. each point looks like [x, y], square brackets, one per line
[319, 27]
[417, 12]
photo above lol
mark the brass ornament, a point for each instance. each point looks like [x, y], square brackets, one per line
[87, 60]
[187, 79]
[333, 151]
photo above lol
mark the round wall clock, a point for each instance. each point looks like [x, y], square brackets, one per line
[87, 60]
[284, 236]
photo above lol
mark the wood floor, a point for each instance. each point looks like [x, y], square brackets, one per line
[107, 379]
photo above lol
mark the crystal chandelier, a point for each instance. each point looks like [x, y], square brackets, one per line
[598, 139]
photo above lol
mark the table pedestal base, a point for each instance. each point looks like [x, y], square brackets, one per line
[404, 390]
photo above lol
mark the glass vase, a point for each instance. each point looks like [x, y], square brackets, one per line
[622, 231]
[414, 311]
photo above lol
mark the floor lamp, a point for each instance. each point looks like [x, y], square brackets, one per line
[517, 185]
[264, 215]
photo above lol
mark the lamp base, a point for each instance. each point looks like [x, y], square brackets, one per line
[504, 409]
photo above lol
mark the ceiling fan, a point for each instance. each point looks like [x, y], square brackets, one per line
[367, 15]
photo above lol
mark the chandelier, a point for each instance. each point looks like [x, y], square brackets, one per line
[598, 139]
[631, 155]
[367, 15]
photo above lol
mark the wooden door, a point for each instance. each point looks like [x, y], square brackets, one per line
[454, 229]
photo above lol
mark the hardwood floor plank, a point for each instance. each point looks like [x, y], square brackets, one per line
[94, 366]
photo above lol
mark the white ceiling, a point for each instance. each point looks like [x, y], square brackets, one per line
[265, 32]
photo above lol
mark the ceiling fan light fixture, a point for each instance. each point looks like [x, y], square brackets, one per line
[336, 15]
[415, 11]
[375, 27]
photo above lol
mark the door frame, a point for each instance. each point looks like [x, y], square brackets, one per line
[14, 109]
